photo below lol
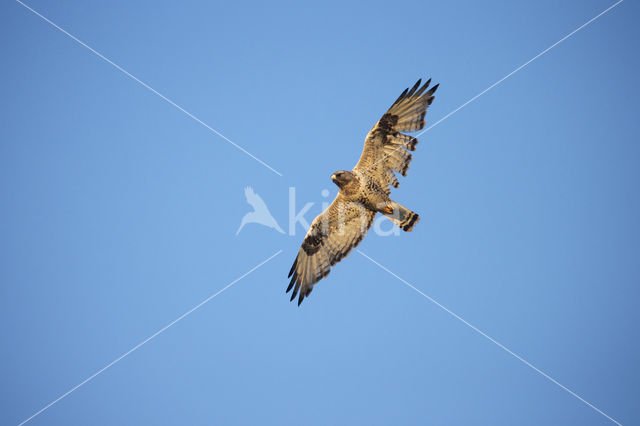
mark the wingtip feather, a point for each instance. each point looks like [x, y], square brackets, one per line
[293, 268]
[293, 281]
[415, 87]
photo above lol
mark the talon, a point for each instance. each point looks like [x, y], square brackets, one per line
[388, 209]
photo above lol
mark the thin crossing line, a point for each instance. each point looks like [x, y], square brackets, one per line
[148, 339]
[133, 77]
[520, 67]
[500, 345]
[502, 79]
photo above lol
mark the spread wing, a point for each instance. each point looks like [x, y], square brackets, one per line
[331, 236]
[385, 148]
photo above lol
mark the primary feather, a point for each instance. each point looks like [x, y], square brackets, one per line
[364, 191]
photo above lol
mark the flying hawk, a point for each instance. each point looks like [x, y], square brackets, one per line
[363, 192]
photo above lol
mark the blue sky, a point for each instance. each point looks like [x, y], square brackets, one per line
[119, 214]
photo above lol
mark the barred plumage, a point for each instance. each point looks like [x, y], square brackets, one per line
[364, 191]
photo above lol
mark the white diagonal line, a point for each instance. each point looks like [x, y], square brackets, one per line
[503, 79]
[500, 345]
[136, 347]
[128, 74]
[520, 67]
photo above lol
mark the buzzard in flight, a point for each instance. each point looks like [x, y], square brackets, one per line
[363, 192]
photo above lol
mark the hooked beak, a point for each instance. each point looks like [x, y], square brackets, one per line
[333, 177]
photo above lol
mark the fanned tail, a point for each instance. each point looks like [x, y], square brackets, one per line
[400, 215]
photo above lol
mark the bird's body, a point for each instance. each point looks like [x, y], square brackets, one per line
[363, 192]
[362, 189]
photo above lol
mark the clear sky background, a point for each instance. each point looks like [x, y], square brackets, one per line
[119, 214]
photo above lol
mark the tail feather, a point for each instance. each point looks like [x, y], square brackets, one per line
[400, 215]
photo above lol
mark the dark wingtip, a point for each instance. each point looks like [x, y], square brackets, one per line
[402, 95]
[433, 89]
[415, 87]
[423, 88]
[293, 280]
[293, 268]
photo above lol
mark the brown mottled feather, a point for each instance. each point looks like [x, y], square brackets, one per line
[322, 248]
[385, 148]
[386, 151]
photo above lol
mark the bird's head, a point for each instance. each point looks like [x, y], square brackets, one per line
[342, 178]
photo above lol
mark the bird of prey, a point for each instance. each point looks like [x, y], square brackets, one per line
[260, 213]
[364, 191]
